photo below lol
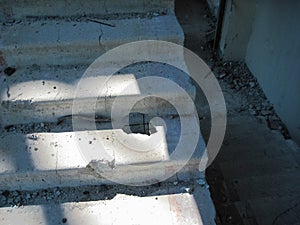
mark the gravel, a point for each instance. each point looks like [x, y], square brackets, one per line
[236, 76]
[90, 193]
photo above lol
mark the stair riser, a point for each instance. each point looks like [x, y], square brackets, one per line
[26, 112]
[83, 177]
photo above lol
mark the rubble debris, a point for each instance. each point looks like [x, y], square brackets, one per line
[9, 71]
[236, 76]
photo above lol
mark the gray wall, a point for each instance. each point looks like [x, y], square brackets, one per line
[273, 56]
[236, 29]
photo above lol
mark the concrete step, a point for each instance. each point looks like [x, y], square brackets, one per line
[81, 41]
[173, 209]
[42, 160]
[47, 94]
[14, 9]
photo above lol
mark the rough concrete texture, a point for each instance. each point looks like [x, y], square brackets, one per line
[46, 94]
[176, 209]
[236, 29]
[71, 158]
[44, 52]
[14, 10]
[71, 42]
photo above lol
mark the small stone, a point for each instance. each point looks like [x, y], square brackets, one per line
[155, 14]
[5, 194]
[201, 181]
[10, 201]
[252, 84]
[9, 71]
[28, 196]
[57, 193]
[222, 76]
[253, 112]
[17, 199]
[185, 189]
[15, 193]
[274, 124]
[266, 112]
[231, 86]
[64, 220]
[3, 198]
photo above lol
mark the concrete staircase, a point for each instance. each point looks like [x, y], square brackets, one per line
[50, 44]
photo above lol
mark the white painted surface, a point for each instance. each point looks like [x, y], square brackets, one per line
[176, 209]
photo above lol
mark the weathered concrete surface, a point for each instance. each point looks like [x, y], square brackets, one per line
[272, 56]
[61, 42]
[176, 209]
[57, 151]
[41, 160]
[47, 94]
[236, 29]
[214, 6]
[46, 8]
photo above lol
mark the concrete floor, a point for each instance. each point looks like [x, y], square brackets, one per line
[255, 177]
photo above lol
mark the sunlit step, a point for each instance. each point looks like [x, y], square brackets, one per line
[41, 160]
[48, 94]
[173, 209]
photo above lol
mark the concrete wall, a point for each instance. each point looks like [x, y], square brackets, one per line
[273, 56]
[236, 29]
[214, 6]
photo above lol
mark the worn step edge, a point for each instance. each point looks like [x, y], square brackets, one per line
[173, 209]
[124, 174]
[44, 155]
[64, 43]
[48, 100]
[14, 10]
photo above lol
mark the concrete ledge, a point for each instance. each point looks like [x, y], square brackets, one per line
[175, 209]
[41, 160]
[15, 9]
[47, 94]
[58, 42]
[87, 176]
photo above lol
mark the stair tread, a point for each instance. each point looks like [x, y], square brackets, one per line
[65, 42]
[48, 8]
[123, 209]
[44, 94]
[57, 154]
